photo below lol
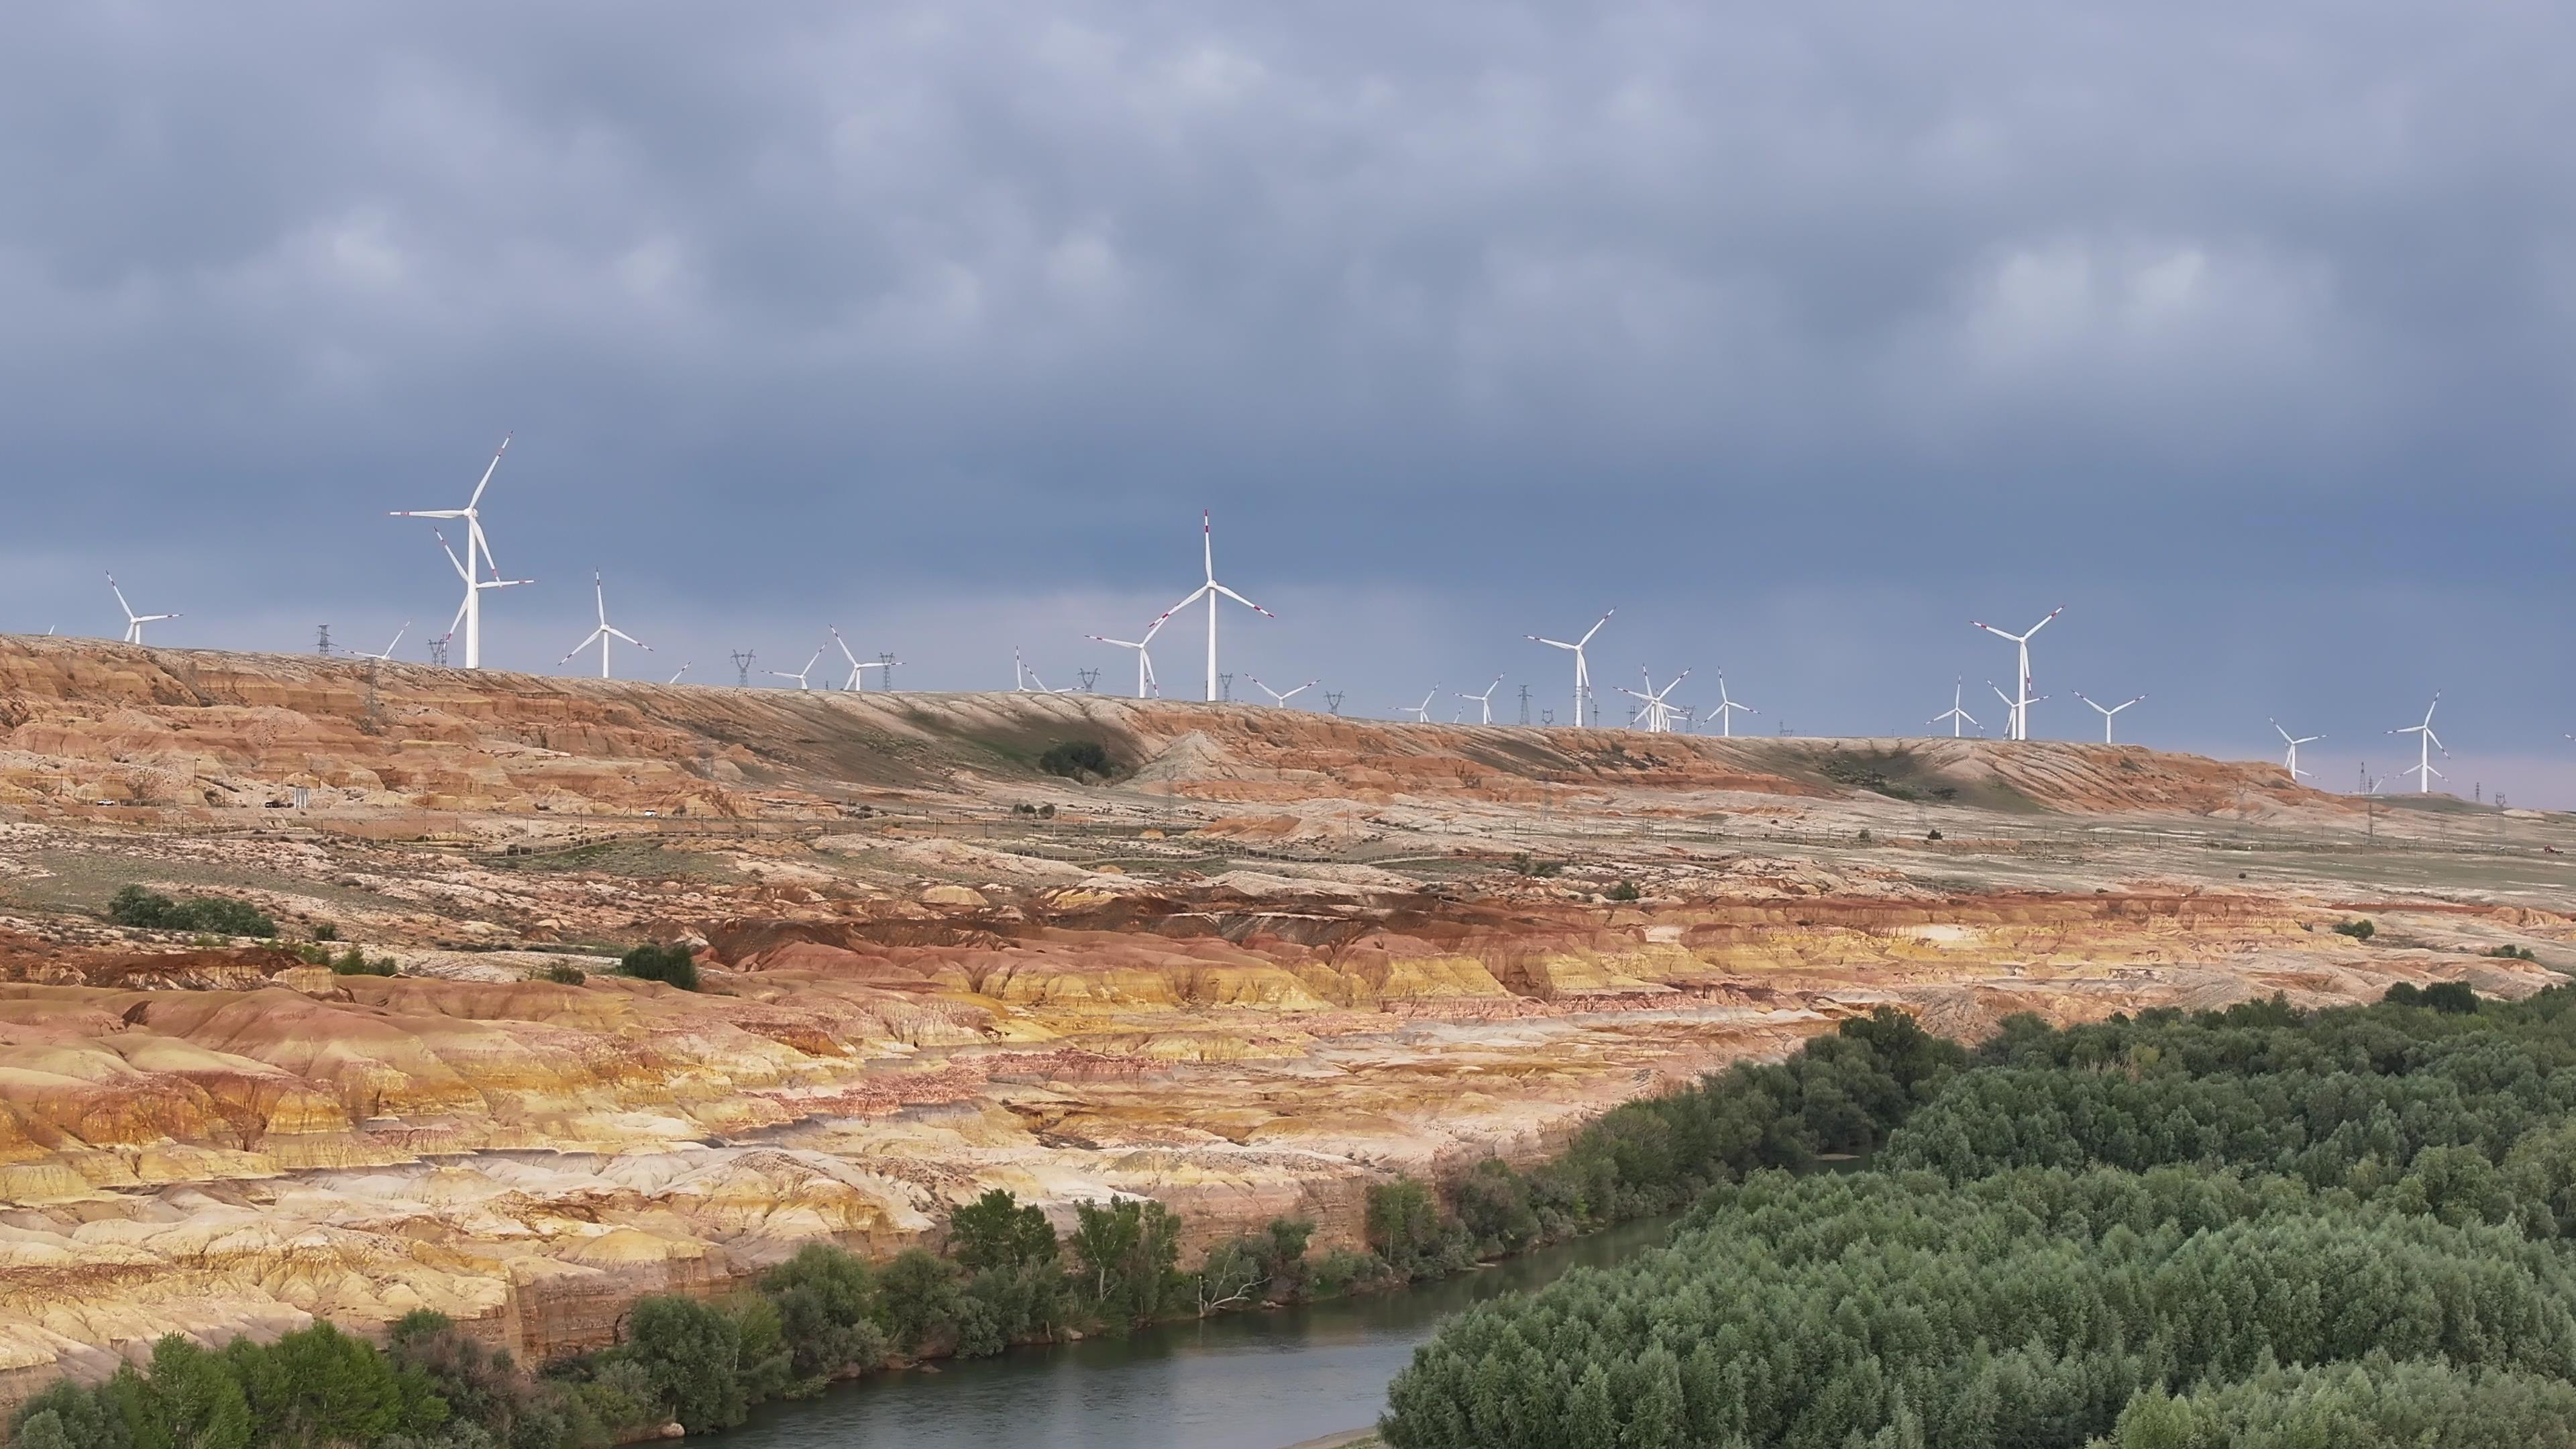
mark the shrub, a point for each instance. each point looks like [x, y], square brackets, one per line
[2361, 930]
[325, 931]
[826, 1302]
[2451, 996]
[672, 965]
[354, 962]
[1625, 890]
[145, 909]
[563, 973]
[2513, 953]
[1076, 760]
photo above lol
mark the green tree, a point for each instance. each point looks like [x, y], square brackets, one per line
[826, 1301]
[998, 1231]
[690, 1354]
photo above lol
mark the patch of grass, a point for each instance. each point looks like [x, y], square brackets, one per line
[2512, 953]
[563, 973]
[1865, 772]
[2359, 930]
[354, 962]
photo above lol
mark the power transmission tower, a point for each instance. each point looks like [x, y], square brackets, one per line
[323, 647]
[1090, 677]
[1333, 701]
[887, 659]
[1524, 704]
[1547, 716]
[743, 659]
[438, 651]
[1225, 688]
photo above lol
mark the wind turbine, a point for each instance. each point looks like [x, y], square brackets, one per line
[387, 656]
[2425, 745]
[1658, 716]
[1485, 701]
[1210, 591]
[1278, 698]
[1421, 712]
[2294, 742]
[478, 550]
[799, 675]
[2020, 726]
[2106, 713]
[469, 611]
[1145, 681]
[1726, 708]
[859, 668]
[1022, 676]
[1582, 668]
[676, 673]
[2015, 706]
[134, 622]
[1955, 714]
[605, 632]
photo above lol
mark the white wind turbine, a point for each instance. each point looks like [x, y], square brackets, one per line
[2106, 713]
[1421, 712]
[1726, 707]
[388, 655]
[1582, 668]
[2020, 725]
[1954, 714]
[2015, 706]
[469, 611]
[1145, 682]
[1279, 698]
[799, 675]
[1652, 710]
[134, 622]
[2426, 743]
[605, 632]
[2294, 741]
[478, 550]
[1485, 701]
[859, 668]
[1022, 676]
[1210, 591]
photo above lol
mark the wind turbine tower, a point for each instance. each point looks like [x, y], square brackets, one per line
[1652, 711]
[1211, 591]
[1955, 714]
[2019, 728]
[478, 551]
[134, 622]
[2106, 713]
[1582, 667]
[605, 632]
[2425, 744]
[2294, 741]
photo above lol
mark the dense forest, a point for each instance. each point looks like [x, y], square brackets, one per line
[2255, 1226]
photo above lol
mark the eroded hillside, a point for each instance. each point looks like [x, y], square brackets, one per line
[1276, 956]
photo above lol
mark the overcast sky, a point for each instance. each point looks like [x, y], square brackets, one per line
[1799, 334]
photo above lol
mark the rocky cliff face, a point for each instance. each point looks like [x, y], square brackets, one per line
[1284, 956]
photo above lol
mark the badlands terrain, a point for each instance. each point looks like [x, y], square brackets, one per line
[1272, 958]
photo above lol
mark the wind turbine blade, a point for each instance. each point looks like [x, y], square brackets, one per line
[452, 559]
[1240, 599]
[1556, 643]
[488, 470]
[1207, 541]
[2042, 624]
[631, 639]
[1588, 633]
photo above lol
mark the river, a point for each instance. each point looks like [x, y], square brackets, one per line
[1241, 1381]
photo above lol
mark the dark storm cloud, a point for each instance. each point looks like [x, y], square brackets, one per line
[2210, 306]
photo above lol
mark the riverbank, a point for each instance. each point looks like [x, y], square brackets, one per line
[1306, 1372]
